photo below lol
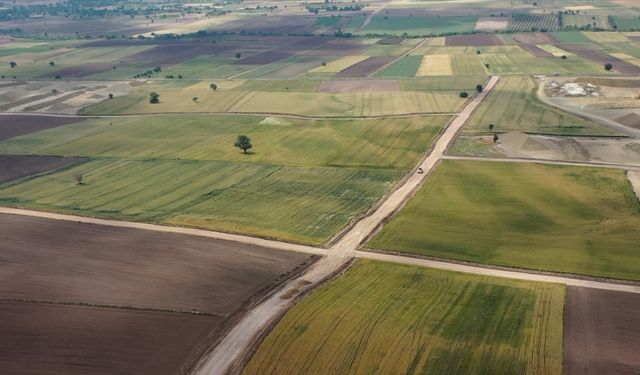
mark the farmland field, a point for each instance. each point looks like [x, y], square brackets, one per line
[105, 300]
[420, 25]
[405, 67]
[513, 106]
[388, 318]
[562, 219]
[533, 22]
[379, 143]
[13, 167]
[15, 125]
[602, 333]
[338, 65]
[180, 100]
[289, 203]
[435, 65]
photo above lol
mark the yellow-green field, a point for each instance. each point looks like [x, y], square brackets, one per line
[395, 319]
[179, 98]
[435, 65]
[338, 65]
[554, 218]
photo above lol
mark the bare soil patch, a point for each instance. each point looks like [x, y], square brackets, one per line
[79, 71]
[535, 38]
[631, 120]
[100, 265]
[341, 47]
[474, 40]
[365, 67]
[263, 58]
[13, 167]
[175, 53]
[15, 125]
[491, 24]
[356, 85]
[602, 332]
[66, 340]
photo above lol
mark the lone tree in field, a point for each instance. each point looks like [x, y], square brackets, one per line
[13, 64]
[195, 99]
[608, 67]
[563, 57]
[154, 98]
[51, 63]
[496, 138]
[79, 179]
[244, 143]
[479, 88]
[213, 86]
[491, 126]
[238, 55]
[463, 94]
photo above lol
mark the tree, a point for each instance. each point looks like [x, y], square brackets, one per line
[79, 179]
[464, 94]
[51, 63]
[213, 86]
[244, 143]
[563, 57]
[13, 64]
[238, 55]
[154, 98]
[491, 126]
[479, 88]
[608, 67]
[54, 91]
[195, 99]
[110, 96]
[495, 138]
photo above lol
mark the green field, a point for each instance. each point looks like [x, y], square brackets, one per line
[395, 319]
[405, 67]
[554, 218]
[289, 203]
[627, 22]
[571, 37]
[513, 106]
[379, 143]
[420, 25]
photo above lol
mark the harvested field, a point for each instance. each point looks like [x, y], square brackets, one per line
[340, 47]
[606, 37]
[602, 332]
[491, 24]
[535, 38]
[338, 65]
[15, 125]
[589, 52]
[266, 57]
[390, 41]
[135, 268]
[395, 319]
[69, 340]
[384, 85]
[365, 67]
[553, 50]
[25, 100]
[536, 51]
[435, 65]
[474, 40]
[13, 167]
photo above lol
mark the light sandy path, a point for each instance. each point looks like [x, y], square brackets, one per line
[592, 164]
[368, 19]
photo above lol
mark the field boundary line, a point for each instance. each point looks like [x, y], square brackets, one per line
[589, 164]
[410, 51]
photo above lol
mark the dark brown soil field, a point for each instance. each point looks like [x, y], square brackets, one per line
[67, 340]
[79, 70]
[281, 52]
[365, 67]
[589, 52]
[341, 47]
[13, 167]
[474, 40]
[631, 120]
[359, 85]
[534, 50]
[102, 265]
[535, 38]
[266, 57]
[15, 125]
[602, 332]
